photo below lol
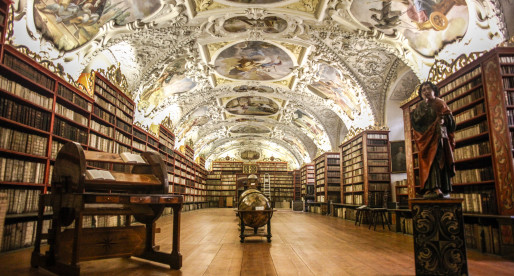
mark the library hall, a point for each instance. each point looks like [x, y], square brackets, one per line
[257, 137]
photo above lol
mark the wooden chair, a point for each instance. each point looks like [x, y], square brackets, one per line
[141, 192]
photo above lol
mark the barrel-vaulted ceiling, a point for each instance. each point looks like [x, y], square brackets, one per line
[256, 79]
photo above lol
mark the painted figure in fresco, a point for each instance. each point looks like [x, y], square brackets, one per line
[434, 127]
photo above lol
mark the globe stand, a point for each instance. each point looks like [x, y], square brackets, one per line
[243, 235]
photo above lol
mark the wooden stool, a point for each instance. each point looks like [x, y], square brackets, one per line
[378, 213]
[361, 214]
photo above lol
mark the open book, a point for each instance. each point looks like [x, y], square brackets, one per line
[132, 158]
[99, 175]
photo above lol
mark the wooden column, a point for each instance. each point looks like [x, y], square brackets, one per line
[439, 244]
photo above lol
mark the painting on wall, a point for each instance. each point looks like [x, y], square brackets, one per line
[248, 88]
[172, 81]
[306, 122]
[398, 161]
[240, 24]
[250, 155]
[332, 86]
[247, 129]
[252, 105]
[427, 24]
[70, 24]
[253, 60]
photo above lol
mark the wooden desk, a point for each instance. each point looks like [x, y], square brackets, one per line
[139, 191]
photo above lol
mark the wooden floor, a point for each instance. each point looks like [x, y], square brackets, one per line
[302, 244]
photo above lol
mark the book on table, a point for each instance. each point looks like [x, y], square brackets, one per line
[99, 175]
[132, 158]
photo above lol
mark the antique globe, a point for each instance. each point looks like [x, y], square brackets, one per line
[254, 200]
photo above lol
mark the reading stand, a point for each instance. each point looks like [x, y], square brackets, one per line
[141, 192]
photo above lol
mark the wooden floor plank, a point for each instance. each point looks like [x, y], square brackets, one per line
[302, 244]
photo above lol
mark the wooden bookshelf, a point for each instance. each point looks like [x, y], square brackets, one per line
[480, 96]
[327, 176]
[401, 193]
[40, 112]
[308, 181]
[297, 183]
[366, 173]
[221, 183]
[281, 180]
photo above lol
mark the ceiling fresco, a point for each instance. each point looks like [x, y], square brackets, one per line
[253, 60]
[255, 79]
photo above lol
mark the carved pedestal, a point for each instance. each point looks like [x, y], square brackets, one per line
[439, 245]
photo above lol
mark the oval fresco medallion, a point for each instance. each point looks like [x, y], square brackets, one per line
[253, 60]
[252, 105]
[240, 24]
[247, 129]
[248, 88]
[250, 155]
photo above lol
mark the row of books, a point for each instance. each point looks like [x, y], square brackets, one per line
[28, 71]
[379, 176]
[353, 188]
[471, 97]
[464, 78]
[470, 113]
[221, 187]
[72, 115]
[21, 234]
[355, 199]
[101, 128]
[377, 148]
[462, 90]
[355, 179]
[73, 97]
[101, 143]
[376, 136]
[24, 114]
[477, 202]
[16, 170]
[104, 115]
[374, 155]
[472, 150]
[66, 130]
[122, 102]
[14, 140]
[124, 126]
[373, 169]
[473, 175]
[471, 131]
[510, 117]
[484, 238]
[121, 137]
[507, 70]
[25, 93]
[507, 59]
[21, 200]
[508, 83]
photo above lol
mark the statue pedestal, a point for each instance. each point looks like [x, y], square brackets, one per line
[439, 244]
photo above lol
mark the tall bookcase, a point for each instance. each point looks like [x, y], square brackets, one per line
[221, 183]
[481, 97]
[308, 181]
[281, 180]
[366, 173]
[327, 177]
[297, 183]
